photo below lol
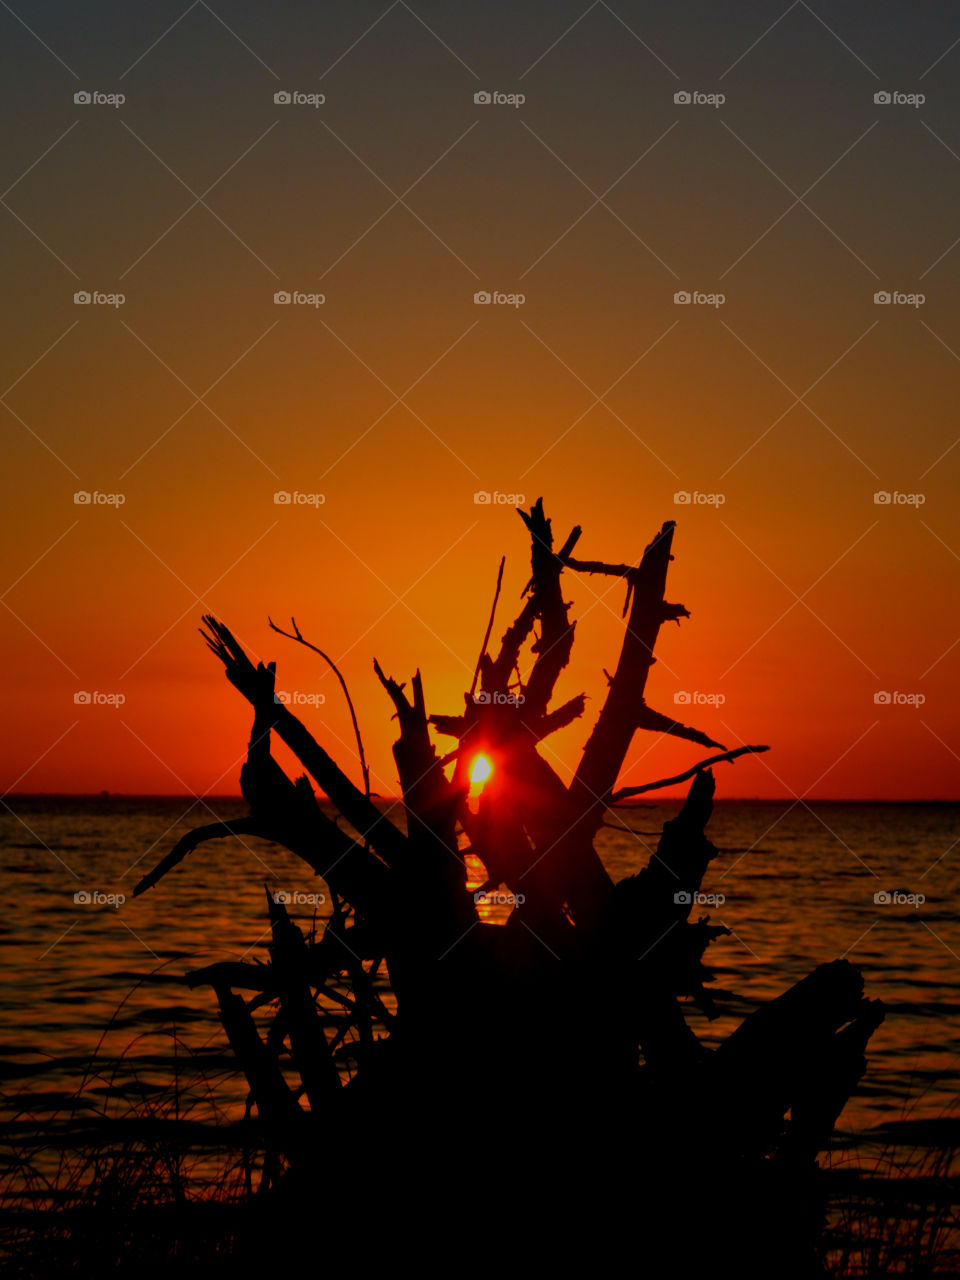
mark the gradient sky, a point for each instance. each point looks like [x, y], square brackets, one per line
[398, 199]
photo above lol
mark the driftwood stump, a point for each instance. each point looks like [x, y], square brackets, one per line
[534, 1081]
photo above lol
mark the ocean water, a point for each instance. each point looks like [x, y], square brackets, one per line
[95, 1021]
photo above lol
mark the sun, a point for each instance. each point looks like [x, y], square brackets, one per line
[481, 770]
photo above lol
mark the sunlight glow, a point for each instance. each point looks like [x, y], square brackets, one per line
[481, 770]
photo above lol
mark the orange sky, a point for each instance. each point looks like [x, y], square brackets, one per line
[397, 399]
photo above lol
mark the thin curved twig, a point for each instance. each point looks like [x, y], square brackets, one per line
[486, 638]
[298, 637]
